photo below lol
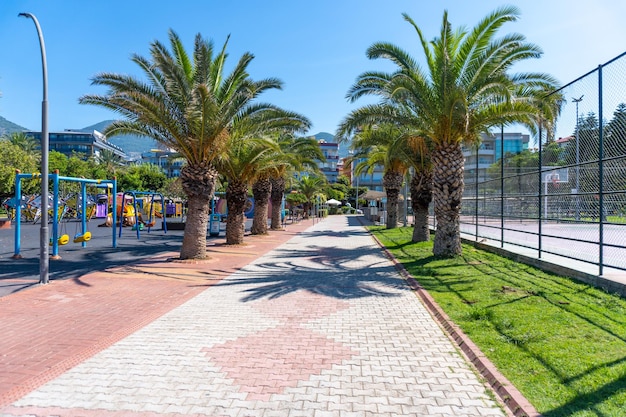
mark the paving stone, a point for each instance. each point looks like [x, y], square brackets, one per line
[313, 328]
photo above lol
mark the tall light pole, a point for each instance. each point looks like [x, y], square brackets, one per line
[577, 100]
[43, 234]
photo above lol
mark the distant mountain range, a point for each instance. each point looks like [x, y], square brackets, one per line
[133, 144]
[9, 127]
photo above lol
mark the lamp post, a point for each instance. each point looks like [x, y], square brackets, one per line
[577, 100]
[43, 234]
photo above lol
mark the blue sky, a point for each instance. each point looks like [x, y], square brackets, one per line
[316, 48]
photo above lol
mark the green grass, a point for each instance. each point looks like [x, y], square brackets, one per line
[561, 342]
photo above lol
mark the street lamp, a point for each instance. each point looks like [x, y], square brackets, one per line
[43, 234]
[577, 100]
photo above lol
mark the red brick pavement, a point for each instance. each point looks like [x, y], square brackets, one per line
[49, 329]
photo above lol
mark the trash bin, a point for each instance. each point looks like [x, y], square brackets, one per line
[214, 224]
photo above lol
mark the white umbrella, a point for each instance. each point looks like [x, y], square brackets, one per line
[333, 202]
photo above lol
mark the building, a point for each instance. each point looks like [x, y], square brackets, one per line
[166, 159]
[330, 168]
[490, 151]
[70, 142]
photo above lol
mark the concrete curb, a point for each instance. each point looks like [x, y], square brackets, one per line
[510, 396]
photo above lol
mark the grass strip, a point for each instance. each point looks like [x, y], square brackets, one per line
[562, 343]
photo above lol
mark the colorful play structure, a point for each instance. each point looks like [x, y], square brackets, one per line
[83, 235]
[129, 212]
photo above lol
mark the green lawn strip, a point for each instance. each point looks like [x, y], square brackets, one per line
[561, 342]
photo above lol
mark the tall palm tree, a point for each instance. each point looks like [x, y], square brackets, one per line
[465, 89]
[261, 191]
[298, 154]
[240, 166]
[187, 104]
[408, 145]
[250, 157]
[310, 186]
[385, 145]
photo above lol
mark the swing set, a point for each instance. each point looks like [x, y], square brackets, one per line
[138, 222]
[83, 235]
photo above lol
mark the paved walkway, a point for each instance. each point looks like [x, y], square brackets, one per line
[322, 325]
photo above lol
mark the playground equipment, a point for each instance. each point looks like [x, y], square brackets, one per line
[83, 235]
[131, 212]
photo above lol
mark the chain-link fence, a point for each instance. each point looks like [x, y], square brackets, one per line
[563, 192]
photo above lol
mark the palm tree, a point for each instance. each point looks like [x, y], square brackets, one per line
[408, 145]
[188, 105]
[110, 161]
[310, 187]
[385, 145]
[261, 191]
[240, 168]
[26, 142]
[249, 158]
[464, 90]
[298, 154]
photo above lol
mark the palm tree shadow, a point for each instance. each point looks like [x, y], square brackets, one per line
[330, 271]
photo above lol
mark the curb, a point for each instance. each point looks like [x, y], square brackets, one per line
[510, 396]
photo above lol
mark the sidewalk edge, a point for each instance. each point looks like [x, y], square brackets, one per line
[510, 396]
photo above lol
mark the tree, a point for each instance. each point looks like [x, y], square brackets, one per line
[26, 142]
[144, 177]
[12, 158]
[385, 145]
[464, 90]
[189, 105]
[57, 161]
[242, 165]
[261, 191]
[109, 161]
[310, 187]
[297, 154]
[405, 148]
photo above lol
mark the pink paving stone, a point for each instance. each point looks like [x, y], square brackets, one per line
[300, 307]
[269, 361]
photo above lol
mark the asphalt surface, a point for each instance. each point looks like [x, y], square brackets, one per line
[76, 260]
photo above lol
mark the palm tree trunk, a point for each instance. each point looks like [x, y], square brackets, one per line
[198, 183]
[236, 197]
[421, 196]
[448, 185]
[307, 206]
[278, 190]
[262, 189]
[392, 181]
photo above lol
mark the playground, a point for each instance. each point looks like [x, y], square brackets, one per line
[77, 259]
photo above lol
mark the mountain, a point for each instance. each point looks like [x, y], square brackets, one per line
[131, 144]
[344, 148]
[10, 127]
[325, 136]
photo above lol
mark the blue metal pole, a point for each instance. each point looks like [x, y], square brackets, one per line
[83, 195]
[114, 212]
[55, 214]
[18, 215]
[163, 212]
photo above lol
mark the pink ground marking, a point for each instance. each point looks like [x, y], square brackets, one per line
[269, 361]
[300, 307]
